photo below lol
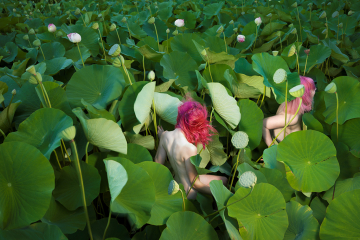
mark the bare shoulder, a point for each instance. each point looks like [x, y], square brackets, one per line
[189, 150]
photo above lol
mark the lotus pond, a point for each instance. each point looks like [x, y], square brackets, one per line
[84, 85]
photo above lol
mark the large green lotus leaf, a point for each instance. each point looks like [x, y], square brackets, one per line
[89, 37]
[26, 183]
[3, 87]
[98, 85]
[160, 27]
[96, 160]
[216, 150]
[224, 104]
[349, 134]
[166, 107]
[115, 231]
[335, 51]
[135, 30]
[68, 221]
[311, 122]
[95, 113]
[342, 215]
[272, 27]
[51, 50]
[137, 197]
[48, 123]
[217, 75]
[149, 233]
[8, 115]
[135, 153]
[277, 179]
[188, 225]
[126, 105]
[311, 157]
[184, 43]
[319, 206]
[249, 86]
[262, 213]
[117, 177]
[102, 132]
[67, 190]
[318, 54]
[54, 65]
[302, 224]
[165, 204]
[212, 9]
[349, 164]
[341, 187]
[36, 231]
[74, 55]
[9, 52]
[142, 105]
[251, 125]
[348, 90]
[19, 68]
[180, 66]
[266, 65]
[222, 195]
[147, 142]
[150, 53]
[11, 85]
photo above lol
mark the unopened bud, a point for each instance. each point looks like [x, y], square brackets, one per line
[231, 22]
[37, 43]
[123, 20]
[59, 34]
[167, 31]
[151, 75]
[77, 11]
[68, 134]
[335, 14]
[26, 37]
[95, 26]
[151, 20]
[203, 52]
[13, 92]
[113, 27]
[176, 32]
[31, 31]
[117, 62]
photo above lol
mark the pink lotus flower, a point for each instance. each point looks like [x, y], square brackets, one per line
[179, 23]
[240, 38]
[74, 37]
[258, 21]
[51, 27]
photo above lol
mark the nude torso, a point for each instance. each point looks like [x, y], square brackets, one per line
[291, 128]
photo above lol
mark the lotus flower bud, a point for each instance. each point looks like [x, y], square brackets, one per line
[203, 52]
[254, 10]
[297, 91]
[258, 21]
[176, 32]
[292, 51]
[117, 62]
[13, 92]
[167, 31]
[67, 12]
[115, 50]
[340, 25]
[179, 23]
[231, 22]
[37, 43]
[248, 179]
[14, 10]
[74, 37]
[31, 31]
[38, 77]
[240, 140]
[113, 27]
[220, 29]
[291, 25]
[26, 37]
[307, 51]
[59, 34]
[280, 76]
[240, 38]
[77, 11]
[310, 4]
[51, 27]
[323, 15]
[294, 31]
[123, 20]
[294, 5]
[122, 60]
[68, 134]
[31, 70]
[351, 12]
[95, 26]
[151, 20]
[335, 14]
[173, 187]
[58, 8]
[275, 53]
[151, 75]
[331, 88]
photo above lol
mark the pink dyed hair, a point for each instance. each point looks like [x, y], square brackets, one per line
[192, 120]
[307, 98]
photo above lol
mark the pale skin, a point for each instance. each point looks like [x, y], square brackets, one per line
[174, 145]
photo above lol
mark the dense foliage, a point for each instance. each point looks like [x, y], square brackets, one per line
[84, 85]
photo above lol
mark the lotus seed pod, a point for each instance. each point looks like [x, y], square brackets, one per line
[59, 34]
[351, 12]
[297, 91]
[38, 77]
[292, 51]
[275, 53]
[95, 26]
[220, 29]
[31, 31]
[33, 80]
[31, 70]
[13, 92]
[68, 134]
[151, 20]
[335, 14]
[151, 75]
[231, 22]
[240, 140]
[248, 179]
[115, 50]
[203, 52]
[176, 32]
[117, 62]
[167, 31]
[123, 20]
[113, 27]
[26, 37]
[331, 88]
[122, 60]
[294, 5]
[77, 11]
[323, 15]
[37, 43]
[173, 187]
[280, 76]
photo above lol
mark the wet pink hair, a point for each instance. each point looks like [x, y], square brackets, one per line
[307, 98]
[192, 120]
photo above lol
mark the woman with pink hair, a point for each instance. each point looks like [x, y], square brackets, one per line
[192, 128]
[273, 125]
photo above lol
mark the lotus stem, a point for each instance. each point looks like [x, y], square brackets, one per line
[287, 123]
[157, 37]
[86, 152]
[337, 115]
[118, 35]
[299, 22]
[42, 53]
[78, 170]
[127, 74]
[230, 204]
[182, 195]
[2, 133]
[144, 66]
[236, 165]
[211, 114]
[263, 97]
[57, 159]
[210, 69]
[297, 62]
[29, 43]
[42, 91]
[154, 119]
[327, 28]
[337, 34]
[62, 141]
[286, 90]
[108, 223]
[62, 153]
[167, 42]
[305, 64]
[225, 42]
[102, 44]
[255, 38]
[83, 19]
[8, 110]
[192, 185]
[46, 95]
[128, 29]
[80, 54]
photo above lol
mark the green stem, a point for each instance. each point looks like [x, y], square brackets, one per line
[154, 119]
[80, 55]
[263, 97]
[210, 70]
[167, 42]
[83, 19]
[128, 29]
[108, 223]
[337, 115]
[102, 44]
[299, 23]
[144, 66]
[42, 53]
[192, 185]
[127, 74]
[337, 34]
[86, 152]
[255, 38]
[157, 37]
[118, 35]
[29, 43]
[225, 42]
[62, 141]
[57, 159]
[182, 195]
[8, 110]
[286, 87]
[2, 133]
[211, 114]
[46, 95]
[236, 165]
[79, 173]
[306, 64]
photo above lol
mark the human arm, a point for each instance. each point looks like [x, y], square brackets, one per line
[160, 156]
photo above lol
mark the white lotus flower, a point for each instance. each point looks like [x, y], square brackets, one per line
[74, 37]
